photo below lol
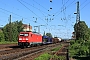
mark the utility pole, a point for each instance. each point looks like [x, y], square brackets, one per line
[39, 29]
[77, 19]
[10, 29]
[29, 26]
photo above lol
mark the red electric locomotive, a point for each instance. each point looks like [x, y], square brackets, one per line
[29, 39]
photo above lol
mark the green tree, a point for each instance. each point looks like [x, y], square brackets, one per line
[89, 32]
[1, 36]
[19, 26]
[49, 34]
[81, 47]
[6, 32]
[81, 30]
[16, 28]
[14, 32]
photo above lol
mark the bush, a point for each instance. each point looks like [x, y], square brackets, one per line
[80, 48]
[72, 42]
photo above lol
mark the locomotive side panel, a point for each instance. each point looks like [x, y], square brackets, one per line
[36, 38]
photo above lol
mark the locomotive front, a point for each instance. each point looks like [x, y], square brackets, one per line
[23, 39]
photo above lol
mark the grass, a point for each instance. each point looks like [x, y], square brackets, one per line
[48, 55]
[44, 56]
[57, 48]
[55, 57]
[7, 42]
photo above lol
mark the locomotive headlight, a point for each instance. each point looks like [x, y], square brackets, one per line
[20, 38]
[26, 38]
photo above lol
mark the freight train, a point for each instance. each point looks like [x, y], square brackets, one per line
[27, 39]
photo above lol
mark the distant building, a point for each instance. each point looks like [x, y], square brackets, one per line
[26, 27]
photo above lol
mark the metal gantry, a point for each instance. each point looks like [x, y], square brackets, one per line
[38, 28]
[77, 13]
[77, 20]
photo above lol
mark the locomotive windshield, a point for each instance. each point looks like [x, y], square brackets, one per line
[24, 34]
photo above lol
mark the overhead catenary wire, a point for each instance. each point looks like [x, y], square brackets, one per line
[64, 8]
[44, 9]
[31, 10]
[40, 5]
[60, 15]
[43, 13]
[63, 11]
[15, 13]
[85, 5]
[48, 15]
[55, 16]
[43, 6]
[80, 6]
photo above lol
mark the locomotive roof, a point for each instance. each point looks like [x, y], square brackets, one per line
[31, 32]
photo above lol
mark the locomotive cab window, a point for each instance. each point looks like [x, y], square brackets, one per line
[26, 34]
[21, 34]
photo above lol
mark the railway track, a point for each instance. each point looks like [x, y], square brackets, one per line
[32, 53]
[5, 49]
[49, 47]
[36, 54]
[22, 53]
[62, 52]
[2, 46]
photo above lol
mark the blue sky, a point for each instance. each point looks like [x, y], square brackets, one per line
[62, 14]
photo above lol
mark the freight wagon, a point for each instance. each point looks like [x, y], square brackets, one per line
[55, 40]
[47, 40]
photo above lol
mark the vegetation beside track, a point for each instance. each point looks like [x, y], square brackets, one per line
[10, 31]
[79, 49]
[48, 55]
[7, 42]
[56, 48]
